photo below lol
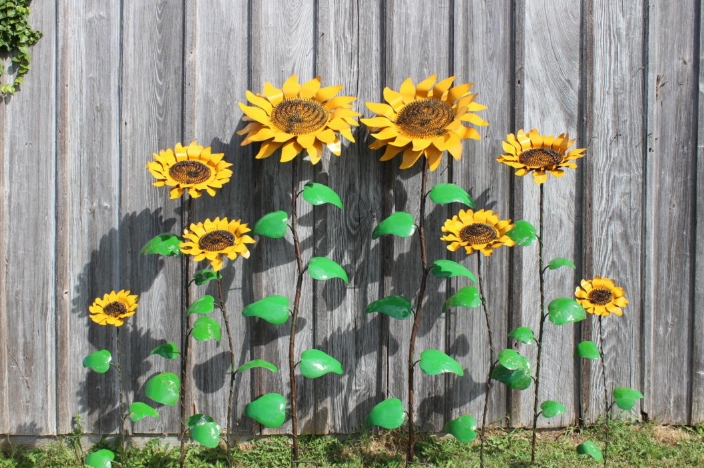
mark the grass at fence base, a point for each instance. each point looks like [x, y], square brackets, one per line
[633, 445]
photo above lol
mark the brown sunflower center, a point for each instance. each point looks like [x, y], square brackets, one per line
[190, 172]
[217, 240]
[478, 233]
[115, 309]
[540, 157]
[600, 296]
[425, 118]
[299, 116]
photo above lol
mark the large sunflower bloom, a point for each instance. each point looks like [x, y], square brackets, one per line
[600, 296]
[191, 168]
[539, 154]
[113, 308]
[424, 120]
[477, 231]
[298, 117]
[213, 240]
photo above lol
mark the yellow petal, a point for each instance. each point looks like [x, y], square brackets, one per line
[315, 152]
[456, 150]
[408, 91]
[458, 91]
[386, 133]
[474, 119]
[421, 144]
[259, 101]
[424, 87]
[540, 177]
[335, 147]
[434, 156]
[273, 94]
[326, 136]
[267, 149]
[290, 150]
[381, 109]
[376, 122]
[307, 140]
[256, 113]
[326, 93]
[339, 101]
[442, 86]
[393, 98]
[310, 88]
[390, 152]
[409, 158]
[291, 87]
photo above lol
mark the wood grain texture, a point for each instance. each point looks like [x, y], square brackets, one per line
[613, 193]
[151, 91]
[483, 57]
[670, 210]
[28, 257]
[550, 103]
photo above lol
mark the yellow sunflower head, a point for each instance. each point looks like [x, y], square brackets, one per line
[213, 240]
[600, 296]
[113, 308]
[477, 231]
[539, 154]
[424, 120]
[298, 117]
[191, 168]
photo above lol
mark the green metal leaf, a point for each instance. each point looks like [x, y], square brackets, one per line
[273, 309]
[511, 360]
[202, 277]
[523, 334]
[465, 297]
[257, 363]
[388, 414]
[523, 233]
[550, 409]
[139, 411]
[399, 224]
[442, 194]
[626, 398]
[315, 363]
[435, 362]
[321, 268]
[100, 459]
[272, 225]
[204, 305]
[204, 429]
[164, 244]
[397, 307]
[564, 310]
[317, 194]
[268, 410]
[163, 388]
[518, 379]
[168, 350]
[558, 262]
[448, 269]
[588, 350]
[591, 449]
[98, 361]
[463, 428]
[205, 329]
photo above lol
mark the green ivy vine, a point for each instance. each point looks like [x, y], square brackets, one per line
[16, 37]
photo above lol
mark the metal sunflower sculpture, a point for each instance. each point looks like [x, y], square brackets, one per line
[424, 120]
[191, 168]
[539, 154]
[477, 231]
[600, 296]
[213, 240]
[298, 117]
[113, 308]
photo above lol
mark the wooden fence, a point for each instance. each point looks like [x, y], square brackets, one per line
[113, 82]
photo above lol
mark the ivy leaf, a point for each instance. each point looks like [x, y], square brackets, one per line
[588, 350]
[257, 363]
[564, 310]
[167, 350]
[388, 414]
[164, 244]
[321, 268]
[202, 277]
[523, 233]
[550, 409]
[518, 379]
[98, 361]
[465, 297]
[591, 449]
[204, 429]
[100, 459]
[435, 362]
[399, 224]
[273, 309]
[139, 411]
[204, 305]
[268, 410]
[523, 334]
[397, 307]
[463, 428]
[318, 194]
[206, 329]
[443, 194]
[315, 363]
[448, 269]
[272, 225]
[558, 262]
[626, 398]
[163, 388]
[511, 360]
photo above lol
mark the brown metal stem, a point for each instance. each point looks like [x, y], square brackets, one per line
[492, 362]
[232, 366]
[185, 327]
[122, 394]
[607, 411]
[543, 316]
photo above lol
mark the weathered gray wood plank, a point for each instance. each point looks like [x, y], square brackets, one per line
[151, 91]
[482, 55]
[613, 193]
[670, 209]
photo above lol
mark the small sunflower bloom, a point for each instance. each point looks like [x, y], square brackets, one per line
[481, 231]
[191, 168]
[298, 117]
[113, 308]
[600, 296]
[539, 154]
[424, 120]
[213, 240]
